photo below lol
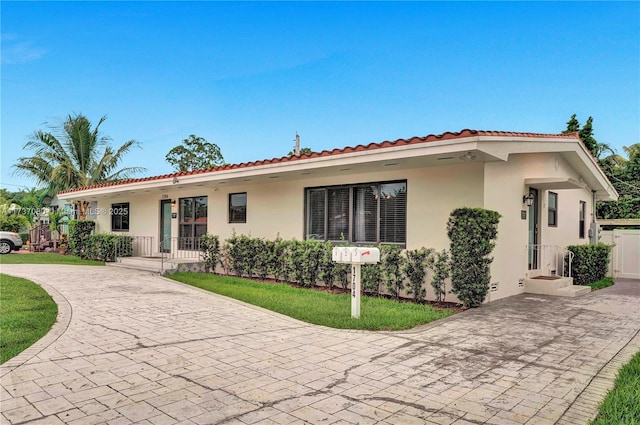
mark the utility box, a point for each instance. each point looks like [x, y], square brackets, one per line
[355, 255]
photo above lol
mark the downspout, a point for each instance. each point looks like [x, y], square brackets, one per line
[593, 231]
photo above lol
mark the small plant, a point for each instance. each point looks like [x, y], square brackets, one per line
[278, 264]
[210, 251]
[415, 269]
[371, 277]
[441, 270]
[63, 246]
[328, 269]
[391, 269]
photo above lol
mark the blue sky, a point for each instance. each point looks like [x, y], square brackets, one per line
[247, 76]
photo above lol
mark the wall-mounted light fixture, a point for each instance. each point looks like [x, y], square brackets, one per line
[528, 199]
[173, 202]
[468, 157]
[175, 180]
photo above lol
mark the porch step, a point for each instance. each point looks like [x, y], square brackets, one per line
[145, 263]
[546, 282]
[573, 291]
[562, 287]
[129, 266]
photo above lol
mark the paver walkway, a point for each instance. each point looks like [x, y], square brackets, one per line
[132, 347]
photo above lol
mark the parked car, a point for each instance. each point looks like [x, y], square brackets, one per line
[9, 241]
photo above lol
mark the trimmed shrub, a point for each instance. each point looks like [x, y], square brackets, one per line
[371, 276]
[415, 269]
[106, 246]
[441, 270]
[590, 262]
[242, 254]
[305, 258]
[79, 230]
[25, 237]
[392, 262]
[472, 232]
[328, 267]
[278, 265]
[210, 251]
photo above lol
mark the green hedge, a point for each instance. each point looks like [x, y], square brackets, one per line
[79, 231]
[472, 232]
[590, 262]
[105, 247]
[308, 263]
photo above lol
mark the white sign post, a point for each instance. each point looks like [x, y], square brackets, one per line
[355, 256]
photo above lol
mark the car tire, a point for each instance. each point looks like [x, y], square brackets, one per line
[6, 247]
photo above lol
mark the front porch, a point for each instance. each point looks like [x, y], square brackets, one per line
[168, 255]
[549, 272]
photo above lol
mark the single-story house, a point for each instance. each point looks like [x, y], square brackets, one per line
[401, 192]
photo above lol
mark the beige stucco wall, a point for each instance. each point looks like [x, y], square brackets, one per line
[277, 207]
[504, 189]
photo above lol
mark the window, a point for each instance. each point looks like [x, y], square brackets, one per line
[365, 213]
[553, 209]
[582, 221]
[238, 207]
[120, 217]
[192, 222]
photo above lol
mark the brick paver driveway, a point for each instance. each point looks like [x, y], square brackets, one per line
[133, 347]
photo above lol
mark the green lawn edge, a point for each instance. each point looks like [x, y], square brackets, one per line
[604, 283]
[27, 312]
[317, 307]
[621, 406]
[47, 258]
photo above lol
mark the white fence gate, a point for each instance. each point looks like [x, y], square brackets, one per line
[625, 255]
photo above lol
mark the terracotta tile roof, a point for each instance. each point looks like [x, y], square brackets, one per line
[349, 149]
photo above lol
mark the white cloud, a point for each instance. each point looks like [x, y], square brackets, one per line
[18, 52]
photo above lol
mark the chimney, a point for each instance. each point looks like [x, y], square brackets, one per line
[297, 150]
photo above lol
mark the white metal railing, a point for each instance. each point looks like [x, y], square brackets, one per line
[550, 260]
[179, 248]
[134, 246]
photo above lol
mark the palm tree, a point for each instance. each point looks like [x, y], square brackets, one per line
[76, 156]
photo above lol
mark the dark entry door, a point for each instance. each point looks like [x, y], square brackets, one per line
[165, 225]
[534, 226]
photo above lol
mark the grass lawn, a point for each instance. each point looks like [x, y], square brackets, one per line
[46, 258]
[26, 314]
[607, 281]
[317, 307]
[622, 404]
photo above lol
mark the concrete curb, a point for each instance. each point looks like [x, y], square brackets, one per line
[585, 407]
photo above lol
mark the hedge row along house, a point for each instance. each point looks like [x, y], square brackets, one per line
[545, 187]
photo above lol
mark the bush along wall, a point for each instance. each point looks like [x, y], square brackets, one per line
[472, 232]
[211, 251]
[309, 263]
[79, 231]
[590, 262]
[106, 246]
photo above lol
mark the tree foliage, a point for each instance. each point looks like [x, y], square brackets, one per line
[303, 151]
[195, 153]
[74, 155]
[623, 173]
